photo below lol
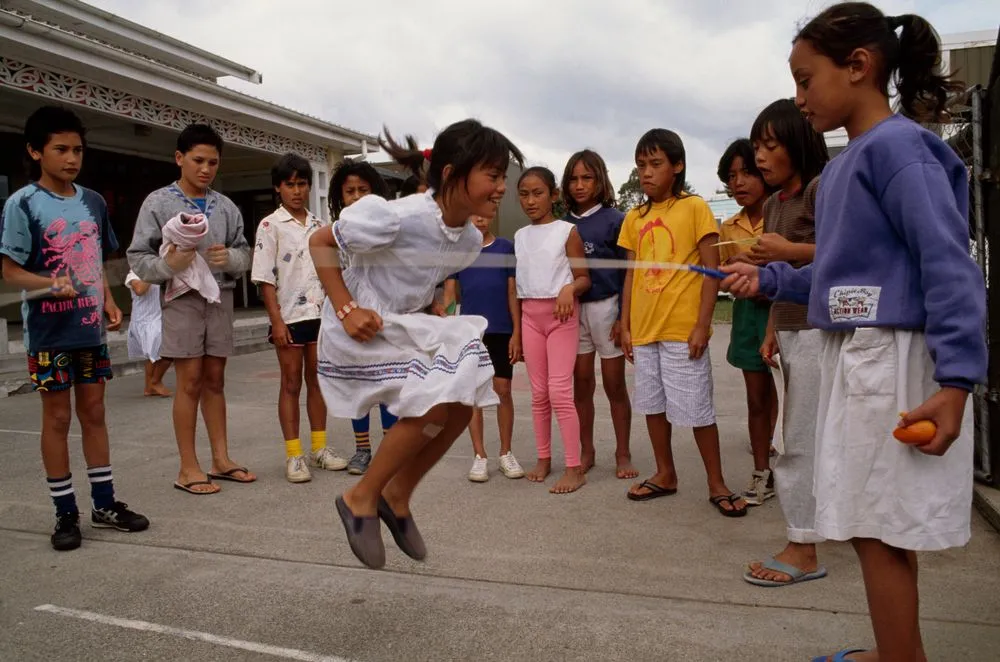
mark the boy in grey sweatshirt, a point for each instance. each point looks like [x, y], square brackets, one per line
[197, 334]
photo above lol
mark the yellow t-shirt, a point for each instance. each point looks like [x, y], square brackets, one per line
[738, 228]
[665, 302]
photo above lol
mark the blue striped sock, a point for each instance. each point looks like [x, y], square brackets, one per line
[63, 496]
[102, 488]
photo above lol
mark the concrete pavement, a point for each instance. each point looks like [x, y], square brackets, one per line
[263, 571]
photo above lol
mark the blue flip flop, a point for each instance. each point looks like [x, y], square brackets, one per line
[798, 576]
[841, 656]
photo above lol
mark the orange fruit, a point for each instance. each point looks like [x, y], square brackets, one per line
[919, 433]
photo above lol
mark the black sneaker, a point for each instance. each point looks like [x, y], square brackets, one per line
[67, 534]
[118, 517]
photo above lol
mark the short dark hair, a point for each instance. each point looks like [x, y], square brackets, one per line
[409, 186]
[361, 169]
[547, 176]
[913, 59]
[604, 192]
[198, 134]
[805, 145]
[45, 122]
[463, 145]
[743, 148]
[288, 166]
[672, 146]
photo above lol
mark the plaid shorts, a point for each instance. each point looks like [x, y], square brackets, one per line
[57, 371]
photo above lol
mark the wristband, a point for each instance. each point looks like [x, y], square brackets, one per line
[346, 310]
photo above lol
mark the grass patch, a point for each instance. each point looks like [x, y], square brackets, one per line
[723, 311]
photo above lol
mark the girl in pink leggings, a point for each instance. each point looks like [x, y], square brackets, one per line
[548, 288]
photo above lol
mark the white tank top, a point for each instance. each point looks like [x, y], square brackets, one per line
[542, 266]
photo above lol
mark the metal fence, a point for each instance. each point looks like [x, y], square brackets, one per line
[965, 134]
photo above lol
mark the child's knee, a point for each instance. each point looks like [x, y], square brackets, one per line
[214, 383]
[191, 385]
[502, 388]
[584, 388]
[58, 417]
[291, 383]
[90, 413]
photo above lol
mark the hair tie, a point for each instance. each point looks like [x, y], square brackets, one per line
[895, 22]
[427, 154]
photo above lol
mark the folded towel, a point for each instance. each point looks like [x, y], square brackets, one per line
[185, 231]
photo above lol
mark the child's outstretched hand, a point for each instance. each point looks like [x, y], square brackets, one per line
[743, 281]
[62, 287]
[362, 324]
[945, 409]
[565, 303]
[114, 313]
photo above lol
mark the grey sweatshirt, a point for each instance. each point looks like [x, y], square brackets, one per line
[225, 226]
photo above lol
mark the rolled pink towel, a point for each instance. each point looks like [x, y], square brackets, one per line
[185, 231]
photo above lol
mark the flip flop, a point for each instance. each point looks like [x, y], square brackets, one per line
[655, 492]
[403, 531]
[796, 574]
[364, 535]
[230, 475]
[840, 656]
[732, 499]
[186, 487]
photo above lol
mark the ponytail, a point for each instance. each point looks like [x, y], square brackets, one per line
[410, 156]
[923, 88]
[912, 60]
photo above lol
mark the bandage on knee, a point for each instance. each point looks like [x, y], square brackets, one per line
[432, 430]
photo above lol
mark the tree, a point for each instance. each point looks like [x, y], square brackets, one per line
[630, 194]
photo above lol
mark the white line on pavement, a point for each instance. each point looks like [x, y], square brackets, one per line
[194, 635]
[33, 432]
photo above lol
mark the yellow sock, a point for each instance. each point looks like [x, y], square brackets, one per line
[293, 447]
[318, 440]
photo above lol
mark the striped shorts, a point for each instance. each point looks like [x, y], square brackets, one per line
[667, 381]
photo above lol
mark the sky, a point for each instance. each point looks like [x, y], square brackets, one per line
[554, 76]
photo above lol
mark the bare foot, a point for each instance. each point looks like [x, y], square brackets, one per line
[588, 459]
[541, 471]
[625, 469]
[573, 479]
[798, 556]
[158, 390]
[204, 487]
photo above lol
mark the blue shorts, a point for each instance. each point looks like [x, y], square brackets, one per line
[52, 371]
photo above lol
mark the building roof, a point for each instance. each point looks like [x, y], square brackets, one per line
[91, 43]
[116, 31]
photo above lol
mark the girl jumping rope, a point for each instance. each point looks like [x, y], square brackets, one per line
[351, 181]
[901, 305]
[548, 288]
[590, 200]
[667, 318]
[378, 345]
[145, 333]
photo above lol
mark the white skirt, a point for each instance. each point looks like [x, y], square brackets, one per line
[416, 362]
[868, 484]
[144, 339]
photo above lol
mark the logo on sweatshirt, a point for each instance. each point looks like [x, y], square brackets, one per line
[854, 303]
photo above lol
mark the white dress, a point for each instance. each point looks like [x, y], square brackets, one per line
[145, 330]
[397, 252]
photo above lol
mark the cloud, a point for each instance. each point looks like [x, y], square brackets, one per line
[555, 76]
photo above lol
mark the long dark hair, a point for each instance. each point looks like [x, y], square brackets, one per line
[361, 169]
[912, 60]
[805, 145]
[463, 145]
[670, 144]
[604, 192]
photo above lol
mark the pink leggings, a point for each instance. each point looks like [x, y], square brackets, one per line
[550, 356]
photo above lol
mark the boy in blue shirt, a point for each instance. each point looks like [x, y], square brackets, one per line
[54, 239]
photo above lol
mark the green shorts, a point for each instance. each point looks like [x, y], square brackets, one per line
[749, 327]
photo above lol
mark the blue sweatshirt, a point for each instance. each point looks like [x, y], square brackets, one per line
[892, 249]
[599, 232]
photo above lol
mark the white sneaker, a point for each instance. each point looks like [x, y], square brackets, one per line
[510, 466]
[479, 473]
[327, 459]
[760, 489]
[296, 470]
